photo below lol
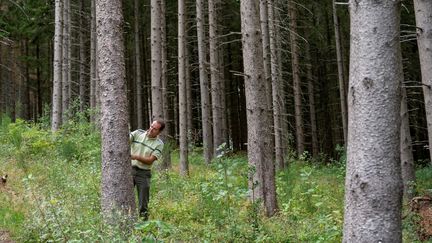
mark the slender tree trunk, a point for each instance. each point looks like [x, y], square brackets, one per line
[39, 82]
[147, 75]
[138, 76]
[83, 57]
[311, 92]
[167, 135]
[373, 179]
[277, 87]
[407, 159]
[295, 52]
[188, 87]
[93, 68]
[341, 75]
[423, 10]
[57, 72]
[259, 136]
[22, 77]
[156, 57]
[216, 91]
[117, 185]
[66, 60]
[204, 83]
[184, 170]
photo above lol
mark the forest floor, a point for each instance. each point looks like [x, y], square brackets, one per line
[422, 206]
[4, 237]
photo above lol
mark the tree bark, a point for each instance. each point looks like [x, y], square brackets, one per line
[166, 136]
[184, 167]
[407, 159]
[83, 57]
[312, 112]
[423, 10]
[341, 75]
[117, 184]
[156, 60]
[204, 83]
[373, 183]
[216, 91]
[66, 60]
[261, 185]
[57, 70]
[93, 63]
[138, 76]
[296, 78]
[276, 84]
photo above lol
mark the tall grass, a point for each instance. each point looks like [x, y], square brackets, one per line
[53, 194]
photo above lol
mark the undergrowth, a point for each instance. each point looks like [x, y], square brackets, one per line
[53, 194]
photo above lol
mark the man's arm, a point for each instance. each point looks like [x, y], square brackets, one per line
[144, 159]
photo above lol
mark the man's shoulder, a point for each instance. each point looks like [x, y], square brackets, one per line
[139, 132]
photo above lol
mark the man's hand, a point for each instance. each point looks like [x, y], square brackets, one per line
[146, 160]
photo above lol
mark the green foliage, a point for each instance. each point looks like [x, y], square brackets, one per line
[54, 195]
[424, 180]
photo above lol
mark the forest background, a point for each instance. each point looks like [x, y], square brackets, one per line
[312, 49]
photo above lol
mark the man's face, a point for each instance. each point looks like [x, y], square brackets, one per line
[154, 130]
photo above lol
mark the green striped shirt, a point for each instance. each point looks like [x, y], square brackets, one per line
[142, 145]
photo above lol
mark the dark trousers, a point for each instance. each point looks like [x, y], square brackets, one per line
[142, 180]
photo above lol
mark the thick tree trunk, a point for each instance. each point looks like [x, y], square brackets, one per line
[373, 179]
[117, 185]
[184, 167]
[295, 52]
[423, 10]
[261, 185]
[204, 83]
[57, 72]
[341, 75]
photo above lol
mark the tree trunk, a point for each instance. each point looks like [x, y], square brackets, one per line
[311, 92]
[93, 68]
[341, 75]
[216, 92]
[117, 184]
[83, 57]
[57, 72]
[373, 183]
[407, 159]
[204, 83]
[166, 136]
[138, 76]
[423, 10]
[277, 88]
[184, 170]
[296, 78]
[66, 60]
[261, 185]
[156, 57]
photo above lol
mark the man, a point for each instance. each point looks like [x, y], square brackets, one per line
[146, 148]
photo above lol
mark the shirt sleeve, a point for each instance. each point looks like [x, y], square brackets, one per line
[158, 151]
[132, 136]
